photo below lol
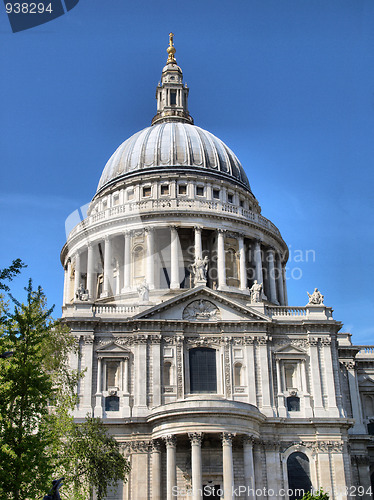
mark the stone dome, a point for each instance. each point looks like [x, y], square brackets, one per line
[173, 145]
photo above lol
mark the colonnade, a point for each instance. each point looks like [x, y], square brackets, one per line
[196, 466]
[266, 264]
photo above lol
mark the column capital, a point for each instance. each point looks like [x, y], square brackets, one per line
[198, 228]
[148, 230]
[170, 441]
[248, 440]
[221, 231]
[127, 232]
[156, 446]
[196, 437]
[173, 227]
[107, 238]
[227, 438]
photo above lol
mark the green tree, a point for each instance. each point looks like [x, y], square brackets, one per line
[38, 437]
[25, 390]
[8, 273]
[316, 495]
[92, 461]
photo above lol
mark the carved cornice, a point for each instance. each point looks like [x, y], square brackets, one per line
[156, 446]
[141, 446]
[88, 339]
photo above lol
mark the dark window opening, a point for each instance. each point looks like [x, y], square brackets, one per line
[293, 403]
[298, 475]
[371, 428]
[182, 189]
[241, 203]
[112, 403]
[165, 189]
[203, 372]
[230, 198]
[199, 190]
[147, 191]
[173, 98]
[216, 194]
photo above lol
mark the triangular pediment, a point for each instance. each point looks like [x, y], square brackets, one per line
[365, 380]
[204, 305]
[111, 348]
[290, 349]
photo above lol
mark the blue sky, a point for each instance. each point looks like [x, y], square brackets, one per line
[287, 84]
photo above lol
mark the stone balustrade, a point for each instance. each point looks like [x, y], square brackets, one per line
[152, 206]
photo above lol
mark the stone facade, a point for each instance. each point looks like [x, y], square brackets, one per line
[204, 379]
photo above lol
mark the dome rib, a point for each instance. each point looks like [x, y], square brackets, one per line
[172, 144]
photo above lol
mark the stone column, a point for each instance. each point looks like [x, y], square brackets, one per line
[258, 262]
[171, 465]
[271, 269]
[284, 286]
[150, 259]
[107, 266]
[126, 375]
[174, 259]
[156, 470]
[306, 395]
[198, 245]
[140, 368]
[280, 394]
[127, 262]
[242, 266]
[316, 378]
[221, 264]
[265, 377]
[66, 278]
[87, 361]
[249, 470]
[359, 427]
[98, 407]
[330, 386]
[77, 275]
[228, 466]
[196, 466]
[280, 281]
[90, 271]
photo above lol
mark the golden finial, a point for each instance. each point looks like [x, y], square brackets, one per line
[171, 50]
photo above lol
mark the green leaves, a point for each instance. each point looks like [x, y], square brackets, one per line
[319, 495]
[92, 460]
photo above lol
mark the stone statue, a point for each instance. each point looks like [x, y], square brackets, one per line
[53, 492]
[143, 291]
[256, 291]
[316, 297]
[200, 269]
[81, 293]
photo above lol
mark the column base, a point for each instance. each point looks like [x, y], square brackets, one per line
[174, 286]
[200, 283]
[104, 295]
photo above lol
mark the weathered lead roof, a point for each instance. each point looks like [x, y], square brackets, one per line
[172, 144]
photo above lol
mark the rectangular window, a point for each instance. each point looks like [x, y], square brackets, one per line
[164, 189]
[182, 189]
[173, 98]
[130, 194]
[203, 372]
[230, 198]
[199, 190]
[147, 192]
[216, 194]
[241, 203]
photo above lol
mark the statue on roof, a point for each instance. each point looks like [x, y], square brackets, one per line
[316, 298]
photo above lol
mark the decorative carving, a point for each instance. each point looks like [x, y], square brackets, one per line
[156, 446]
[128, 340]
[313, 341]
[227, 438]
[256, 292]
[170, 441]
[360, 459]
[350, 365]
[326, 341]
[303, 343]
[179, 367]
[200, 270]
[202, 341]
[196, 437]
[140, 339]
[143, 291]
[262, 340]
[329, 446]
[88, 339]
[316, 298]
[155, 339]
[201, 310]
[141, 446]
[227, 367]
[248, 440]
[82, 293]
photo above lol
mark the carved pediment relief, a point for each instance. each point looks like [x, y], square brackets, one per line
[112, 349]
[201, 310]
[290, 351]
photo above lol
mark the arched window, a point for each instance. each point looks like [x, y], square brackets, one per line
[298, 475]
[203, 372]
[238, 375]
[167, 373]
[138, 260]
